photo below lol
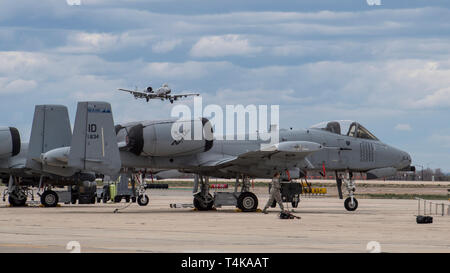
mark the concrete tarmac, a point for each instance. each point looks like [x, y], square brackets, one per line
[325, 226]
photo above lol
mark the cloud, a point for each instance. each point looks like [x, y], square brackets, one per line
[85, 42]
[166, 46]
[16, 86]
[403, 127]
[439, 98]
[219, 46]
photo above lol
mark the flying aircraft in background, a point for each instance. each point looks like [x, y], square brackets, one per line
[162, 93]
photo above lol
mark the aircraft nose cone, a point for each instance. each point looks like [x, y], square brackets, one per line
[405, 160]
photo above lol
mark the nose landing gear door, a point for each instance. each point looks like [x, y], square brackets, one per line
[345, 150]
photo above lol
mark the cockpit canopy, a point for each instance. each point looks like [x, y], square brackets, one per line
[346, 128]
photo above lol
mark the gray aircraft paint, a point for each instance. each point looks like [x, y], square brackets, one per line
[339, 153]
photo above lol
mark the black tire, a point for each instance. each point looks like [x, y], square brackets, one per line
[117, 199]
[49, 199]
[143, 200]
[199, 204]
[348, 204]
[127, 199]
[133, 199]
[247, 202]
[15, 202]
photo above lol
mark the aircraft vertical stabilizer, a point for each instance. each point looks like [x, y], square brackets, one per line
[50, 130]
[94, 143]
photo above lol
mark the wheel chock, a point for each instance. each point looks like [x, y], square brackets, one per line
[239, 210]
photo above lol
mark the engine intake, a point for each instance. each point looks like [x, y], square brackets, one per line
[9, 142]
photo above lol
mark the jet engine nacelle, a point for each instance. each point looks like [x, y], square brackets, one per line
[9, 142]
[381, 173]
[170, 138]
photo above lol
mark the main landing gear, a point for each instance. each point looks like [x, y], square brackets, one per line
[350, 204]
[17, 194]
[49, 198]
[245, 200]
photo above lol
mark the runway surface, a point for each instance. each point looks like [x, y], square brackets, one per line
[325, 226]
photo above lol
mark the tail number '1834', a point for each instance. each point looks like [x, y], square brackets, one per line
[92, 128]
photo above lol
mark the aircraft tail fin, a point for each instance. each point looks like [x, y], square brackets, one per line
[50, 130]
[94, 143]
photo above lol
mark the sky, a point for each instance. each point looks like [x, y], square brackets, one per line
[383, 63]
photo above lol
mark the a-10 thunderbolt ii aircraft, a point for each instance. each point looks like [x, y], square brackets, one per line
[343, 147]
[162, 93]
[55, 157]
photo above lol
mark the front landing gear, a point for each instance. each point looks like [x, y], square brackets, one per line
[143, 200]
[350, 204]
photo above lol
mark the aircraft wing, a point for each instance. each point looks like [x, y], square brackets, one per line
[139, 94]
[175, 97]
[289, 152]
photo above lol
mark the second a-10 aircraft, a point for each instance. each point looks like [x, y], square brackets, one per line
[343, 147]
[162, 93]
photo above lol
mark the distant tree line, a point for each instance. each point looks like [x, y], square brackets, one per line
[427, 174]
[419, 175]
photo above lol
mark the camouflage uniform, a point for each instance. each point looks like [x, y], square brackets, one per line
[275, 194]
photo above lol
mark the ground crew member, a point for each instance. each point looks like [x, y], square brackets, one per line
[275, 193]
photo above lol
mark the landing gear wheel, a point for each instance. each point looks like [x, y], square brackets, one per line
[247, 202]
[17, 202]
[49, 199]
[349, 205]
[143, 200]
[203, 204]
